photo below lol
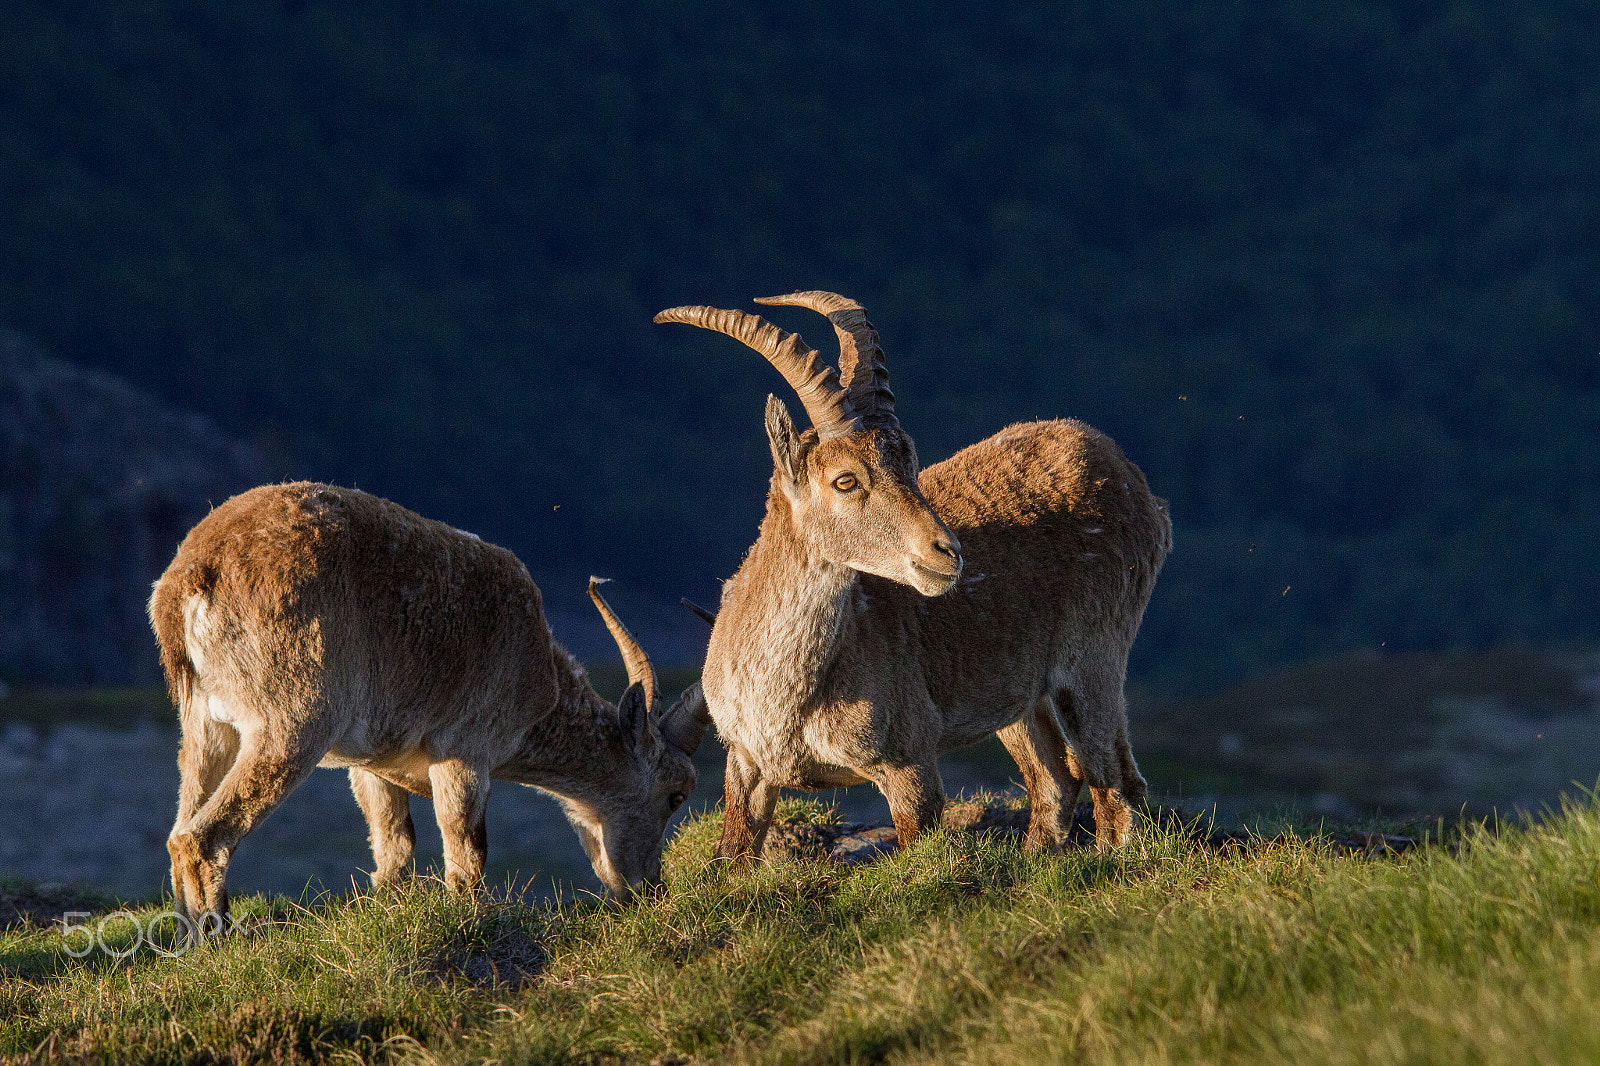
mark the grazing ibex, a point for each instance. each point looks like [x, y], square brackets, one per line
[882, 618]
[306, 624]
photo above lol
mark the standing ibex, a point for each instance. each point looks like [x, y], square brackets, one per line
[306, 624]
[850, 647]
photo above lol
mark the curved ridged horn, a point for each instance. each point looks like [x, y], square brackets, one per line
[633, 656]
[684, 724]
[816, 383]
[861, 367]
[708, 617]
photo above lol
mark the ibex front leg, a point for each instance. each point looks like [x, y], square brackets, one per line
[748, 802]
[387, 807]
[460, 802]
[916, 798]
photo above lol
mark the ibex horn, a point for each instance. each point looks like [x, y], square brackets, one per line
[861, 366]
[633, 656]
[709, 618]
[684, 724]
[816, 383]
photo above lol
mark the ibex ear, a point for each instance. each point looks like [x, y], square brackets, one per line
[787, 453]
[634, 717]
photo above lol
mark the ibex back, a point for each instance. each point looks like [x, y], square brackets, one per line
[883, 617]
[306, 624]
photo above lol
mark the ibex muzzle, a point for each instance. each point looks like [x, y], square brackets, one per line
[855, 500]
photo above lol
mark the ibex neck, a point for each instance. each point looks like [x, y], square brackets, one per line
[575, 741]
[783, 618]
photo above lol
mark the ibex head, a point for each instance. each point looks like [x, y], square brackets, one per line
[624, 840]
[851, 480]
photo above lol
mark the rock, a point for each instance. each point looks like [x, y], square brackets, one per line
[979, 817]
[852, 843]
[98, 484]
[866, 845]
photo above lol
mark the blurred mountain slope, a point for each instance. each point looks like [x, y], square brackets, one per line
[1326, 271]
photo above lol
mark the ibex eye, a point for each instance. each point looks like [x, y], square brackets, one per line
[844, 482]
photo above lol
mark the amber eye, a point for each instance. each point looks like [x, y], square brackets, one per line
[845, 482]
[675, 800]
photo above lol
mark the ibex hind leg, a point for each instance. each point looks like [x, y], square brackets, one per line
[387, 808]
[268, 767]
[1095, 719]
[1049, 772]
[205, 753]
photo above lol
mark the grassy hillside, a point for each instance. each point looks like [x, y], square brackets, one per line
[958, 950]
[1324, 269]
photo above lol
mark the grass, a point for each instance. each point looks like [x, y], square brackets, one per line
[957, 950]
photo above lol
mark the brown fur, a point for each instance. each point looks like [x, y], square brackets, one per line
[302, 624]
[839, 656]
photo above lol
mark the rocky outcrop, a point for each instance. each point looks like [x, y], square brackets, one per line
[98, 484]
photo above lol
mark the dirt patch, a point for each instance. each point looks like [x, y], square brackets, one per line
[497, 951]
[510, 963]
[24, 904]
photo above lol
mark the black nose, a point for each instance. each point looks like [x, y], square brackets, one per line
[949, 547]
